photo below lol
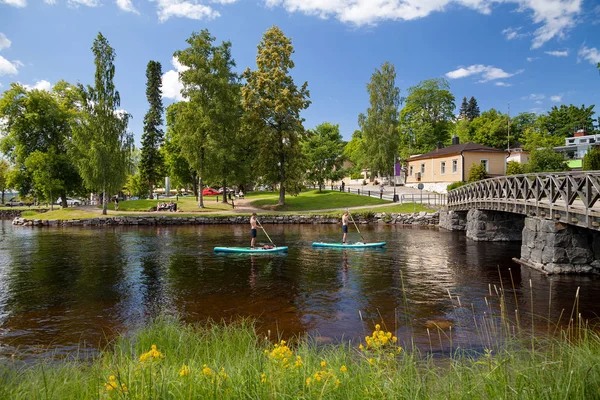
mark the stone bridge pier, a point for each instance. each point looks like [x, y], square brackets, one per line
[483, 225]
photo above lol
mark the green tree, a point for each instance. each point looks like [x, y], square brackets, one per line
[323, 150]
[353, 151]
[176, 165]
[4, 172]
[464, 108]
[477, 173]
[151, 163]
[38, 122]
[273, 103]
[136, 185]
[490, 129]
[520, 123]
[563, 121]
[462, 129]
[472, 109]
[591, 160]
[514, 168]
[534, 138]
[427, 116]
[101, 144]
[545, 160]
[380, 138]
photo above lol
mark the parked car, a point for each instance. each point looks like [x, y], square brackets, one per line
[210, 192]
[228, 190]
[70, 202]
[14, 202]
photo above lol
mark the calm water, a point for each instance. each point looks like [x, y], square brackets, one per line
[63, 287]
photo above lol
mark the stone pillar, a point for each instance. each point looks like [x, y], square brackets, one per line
[557, 248]
[453, 220]
[494, 226]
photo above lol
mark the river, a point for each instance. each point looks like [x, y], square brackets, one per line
[71, 290]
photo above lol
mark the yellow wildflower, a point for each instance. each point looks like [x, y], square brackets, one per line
[153, 353]
[222, 374]
[185, 371]
[308, 381]
[371, 361]
[337, 383]
[399, 349]
[206, 371]
[263, 378]
[377, 327]
[361, 347]
[323, 364]
[343, 369]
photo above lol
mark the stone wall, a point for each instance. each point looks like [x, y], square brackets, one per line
[556, 248]
[494, 226]
[453, 220]
[421, 218]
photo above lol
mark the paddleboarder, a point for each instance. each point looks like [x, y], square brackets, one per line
[253, 229]
[345, 226]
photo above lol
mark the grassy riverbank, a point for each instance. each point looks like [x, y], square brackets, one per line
[315, 200]
[169, 360]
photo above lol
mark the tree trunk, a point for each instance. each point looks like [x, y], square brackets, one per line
[3, 196]
[195, 187]
[63, 197]
[200, 197]
[151, 187]
[281, 179]
[104, 202]
[224, 191]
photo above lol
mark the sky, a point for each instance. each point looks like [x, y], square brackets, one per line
[532, 54]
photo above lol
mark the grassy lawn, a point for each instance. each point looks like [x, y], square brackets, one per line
[186, 204]
[313, 200]
[61, 213]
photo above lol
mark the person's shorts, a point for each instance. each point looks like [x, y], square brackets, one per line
[253, 232]
[345, 228]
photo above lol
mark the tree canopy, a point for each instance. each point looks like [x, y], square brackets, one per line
[323, 149]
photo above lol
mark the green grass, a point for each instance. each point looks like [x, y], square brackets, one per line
[405, 208]
[186, 204]
[313, 200]
[233, 362]
[61, 214]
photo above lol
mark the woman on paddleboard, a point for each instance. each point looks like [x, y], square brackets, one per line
[345, 226]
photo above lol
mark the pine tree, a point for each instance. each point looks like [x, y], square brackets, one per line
[151, 162]
[472, 109]
[464, 108]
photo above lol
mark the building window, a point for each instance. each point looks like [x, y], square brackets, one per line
[443, 168]
[410, 170]
[592, 140]
[454, 166]
[422, 169]
[486, 165]
[583, 141]
[571, 141]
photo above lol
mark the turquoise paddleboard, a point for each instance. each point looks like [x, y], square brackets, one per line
[357, 245]
[255, 250]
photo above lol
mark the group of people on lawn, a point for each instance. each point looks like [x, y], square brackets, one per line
[164, 206]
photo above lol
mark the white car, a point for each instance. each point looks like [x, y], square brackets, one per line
[70, 202]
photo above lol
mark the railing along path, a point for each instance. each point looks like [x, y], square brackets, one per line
[569, 197]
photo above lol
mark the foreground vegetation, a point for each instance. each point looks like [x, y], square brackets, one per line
[169, 360]
[315, 200]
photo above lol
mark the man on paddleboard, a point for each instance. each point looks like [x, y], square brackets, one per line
[253, 229]
[345, 225]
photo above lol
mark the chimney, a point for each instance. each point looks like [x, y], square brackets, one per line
[580, 132]
[455, 140]
[439, 145]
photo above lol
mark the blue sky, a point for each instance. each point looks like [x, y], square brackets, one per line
[531, 53]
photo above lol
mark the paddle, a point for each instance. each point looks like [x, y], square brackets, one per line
[261, 227]
[356, 226]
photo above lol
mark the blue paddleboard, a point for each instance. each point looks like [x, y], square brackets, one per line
[357, 245]
[255, 250]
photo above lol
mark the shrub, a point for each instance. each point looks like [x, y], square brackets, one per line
[364, 182]
[357, 175]
[455, 185]
[514, 168]
[546, 160]
[477, 173]
[591, 161]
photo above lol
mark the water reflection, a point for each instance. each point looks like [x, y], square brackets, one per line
[61, 287]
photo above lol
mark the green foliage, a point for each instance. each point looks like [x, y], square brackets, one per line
[464, 107]
[426, 119]
[591, 160]
[323, 150]
[137, 186]
[273, 104]
[546, 160]
[472, 109]
[101, 144]
[563, 121]
[534, 138]
[477, 173]
[520, 123]
[151, 162]
[515, 168]
[353, 150]
[4, 173]
[455, 185]
[490, 129]
[380, 139]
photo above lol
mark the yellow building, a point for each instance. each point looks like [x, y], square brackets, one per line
[441, 167]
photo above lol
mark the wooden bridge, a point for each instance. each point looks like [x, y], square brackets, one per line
[568, 197]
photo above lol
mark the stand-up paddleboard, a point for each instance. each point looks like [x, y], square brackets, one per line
[259, 250]
[357, 245]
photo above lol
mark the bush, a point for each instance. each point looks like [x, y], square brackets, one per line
[477, 173]
[455, 185]
[364, 182]
[514, 168]
[546, 160]
[357, 175]
[591, 161]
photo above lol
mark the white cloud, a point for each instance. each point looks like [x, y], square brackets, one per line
[487, 73]
[171, 85]
[530, 59]
[39, 85]
[534, 96]
[127, 6]
[504, 84]
[4, 41]
[8, 67]
[185, 9]
[556, 98]
[513, 33]
[15, 3]
[88, 3]
[50, 2]
[558, 53]
[592, 55]
[554, 17]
